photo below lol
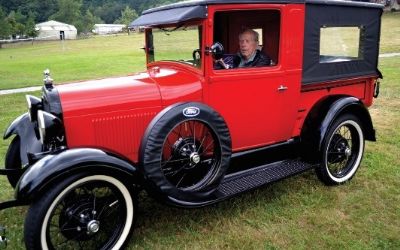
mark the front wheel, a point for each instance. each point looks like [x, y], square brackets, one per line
[81, 212]
[342, 151]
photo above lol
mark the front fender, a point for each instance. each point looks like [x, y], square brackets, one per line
[28, 135]
[52, 167]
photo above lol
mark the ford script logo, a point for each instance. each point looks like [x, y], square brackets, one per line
[191, 111]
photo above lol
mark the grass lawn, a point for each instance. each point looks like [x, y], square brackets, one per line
[297, 213]
[22, 65]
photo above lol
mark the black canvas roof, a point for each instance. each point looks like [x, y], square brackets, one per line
[197, 9]
[368, 20]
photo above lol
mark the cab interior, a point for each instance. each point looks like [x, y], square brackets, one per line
[229, 24]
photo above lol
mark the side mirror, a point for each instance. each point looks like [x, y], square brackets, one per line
[216, 50]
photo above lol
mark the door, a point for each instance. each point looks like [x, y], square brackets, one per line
[259, 104]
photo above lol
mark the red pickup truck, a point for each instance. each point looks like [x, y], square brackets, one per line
[204, 122]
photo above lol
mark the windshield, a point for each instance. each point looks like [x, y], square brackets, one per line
[180, 44]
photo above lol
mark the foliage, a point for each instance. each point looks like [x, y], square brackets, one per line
[30, 26]
[69, 11]
[17, 24]
[127, 15]
[81, 13]
[5, 27]
[88, 21]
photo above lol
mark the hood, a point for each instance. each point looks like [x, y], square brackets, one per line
[161, 85]
[108, 95]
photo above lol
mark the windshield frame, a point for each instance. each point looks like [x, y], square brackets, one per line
[150, 52]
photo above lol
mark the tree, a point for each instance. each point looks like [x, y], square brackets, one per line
[16, 19]
[127, 16]
[109, 12]
[30, 29]
[5, 27]
[88, 21]
[69, 11]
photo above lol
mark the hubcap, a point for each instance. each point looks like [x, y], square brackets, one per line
[93, 227]
[347, 151]
[194, 158]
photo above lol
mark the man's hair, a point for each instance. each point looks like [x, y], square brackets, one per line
[252, 32]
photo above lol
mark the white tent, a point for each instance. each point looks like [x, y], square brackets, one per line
[102, 29]
[53, 30]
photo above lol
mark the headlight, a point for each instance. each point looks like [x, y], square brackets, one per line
[34, 104]
[49, 125]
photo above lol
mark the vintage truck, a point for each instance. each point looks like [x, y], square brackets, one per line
[191, 133]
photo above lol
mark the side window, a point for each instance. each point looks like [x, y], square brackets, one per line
[341, 44]
[249, 38]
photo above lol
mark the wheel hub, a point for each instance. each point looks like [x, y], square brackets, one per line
[194, 158]
[341, 149]
[187, 148]
[347, 152]
[93, 227]
[79, 216]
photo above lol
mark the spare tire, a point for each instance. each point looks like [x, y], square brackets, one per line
[185, 152]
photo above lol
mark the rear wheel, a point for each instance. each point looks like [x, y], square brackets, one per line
[13, 160]
[343, 148]
[81, 212]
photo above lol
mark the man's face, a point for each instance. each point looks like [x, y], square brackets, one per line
[247, 44]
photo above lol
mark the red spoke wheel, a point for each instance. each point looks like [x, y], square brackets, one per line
[191, 155]
[185, 152]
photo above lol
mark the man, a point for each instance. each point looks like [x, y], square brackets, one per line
[249, 55]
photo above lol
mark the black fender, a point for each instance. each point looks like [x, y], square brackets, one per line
[51, 168]
[322, 115]
[28, 134]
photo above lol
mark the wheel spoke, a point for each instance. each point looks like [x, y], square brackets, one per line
[172, 173]
[194, 132]
[180, 180]
[94, 206]
[164, 163]
[190, 128]
[202, 141]
[205, 150]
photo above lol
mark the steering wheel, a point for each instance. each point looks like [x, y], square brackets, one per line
[196, 54]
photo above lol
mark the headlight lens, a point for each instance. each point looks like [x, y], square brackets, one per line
[34, 104]
[49, 125]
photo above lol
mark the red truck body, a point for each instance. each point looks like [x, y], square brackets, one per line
[197, 127]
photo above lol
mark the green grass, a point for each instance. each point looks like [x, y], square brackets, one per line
[22, 65]
[297, 213]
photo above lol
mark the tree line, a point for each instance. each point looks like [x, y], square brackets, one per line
[18, 17]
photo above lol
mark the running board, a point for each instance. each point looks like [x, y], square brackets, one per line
[246, 180]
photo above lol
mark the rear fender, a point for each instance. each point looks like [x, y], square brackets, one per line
[28, 134]
[51, 168]
[348, 105]
[324, 113]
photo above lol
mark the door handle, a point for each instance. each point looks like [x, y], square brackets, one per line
[282, 88]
